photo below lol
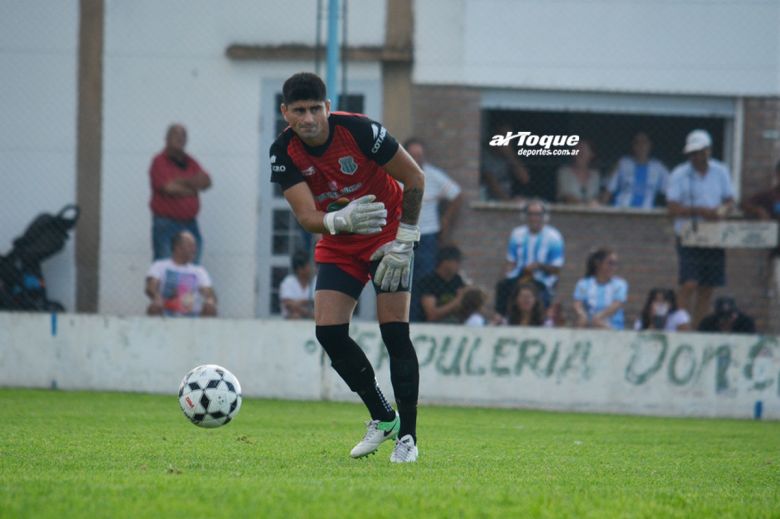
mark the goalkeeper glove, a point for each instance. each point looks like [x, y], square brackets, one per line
[396, 265]
[360, 216]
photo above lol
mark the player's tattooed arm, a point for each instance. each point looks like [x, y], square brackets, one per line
[410, 207]
[405, 170]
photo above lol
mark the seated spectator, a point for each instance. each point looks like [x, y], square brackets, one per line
[765, 205]
[296, 292]
[176, 286]
[525, 308]
[441, 291]
[471, 303]
[599, 296]
[503, 174]
[555, 316]
[661, 313]
[639, 180]
[727, 319]
[534, 255]
[579, 182]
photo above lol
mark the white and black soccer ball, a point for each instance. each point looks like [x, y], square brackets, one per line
[210, 396]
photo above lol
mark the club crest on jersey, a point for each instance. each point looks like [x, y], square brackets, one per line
[348, 165]
[308, 171]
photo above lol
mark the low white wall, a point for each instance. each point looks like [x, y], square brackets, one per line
[621, 372]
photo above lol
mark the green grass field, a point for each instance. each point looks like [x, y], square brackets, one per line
[65, 454]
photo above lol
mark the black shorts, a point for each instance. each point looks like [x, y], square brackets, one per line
[331, 277]
[706, 266]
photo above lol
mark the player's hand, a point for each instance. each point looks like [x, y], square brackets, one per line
[360, 216]
[395, 267]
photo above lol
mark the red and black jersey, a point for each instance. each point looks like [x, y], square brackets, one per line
[348, 165]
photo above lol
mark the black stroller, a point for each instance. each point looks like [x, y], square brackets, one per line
[22, 286]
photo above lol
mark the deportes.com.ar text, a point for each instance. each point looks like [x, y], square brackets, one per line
[522, 152]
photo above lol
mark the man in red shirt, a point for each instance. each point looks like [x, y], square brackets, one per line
[340, 173]
[176, 179]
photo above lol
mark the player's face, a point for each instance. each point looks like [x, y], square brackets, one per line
[308, 119]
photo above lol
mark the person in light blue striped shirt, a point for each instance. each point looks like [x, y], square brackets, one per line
[639, 181]
[535, 254]
[599, 296]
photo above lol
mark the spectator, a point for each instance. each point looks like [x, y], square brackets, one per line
[534, 255]
[434, 228]
[661, 313]
[639, 180]
[765, 205]
[699, 189]
[471, 303]
[176, 179]
[441, 291]
[579, 182]
[525, 307]
[296, 292]
[727, 319]
[599, 297]
[504, 176]
[176, 286]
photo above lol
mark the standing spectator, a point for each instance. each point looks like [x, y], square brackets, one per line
[296, 292]
[661, 313]
[441, 291]
[534, 255]
[176, 179]
[638, 180]
[765, 205]
[579, 182]
[699, 189]
[525, 307]
[599, 296]
[434, 229]
[176, 286]
[727, 319]
[503, 175]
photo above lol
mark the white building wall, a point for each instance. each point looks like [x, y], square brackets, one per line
[38, 100]
[709, 47]
[165, 62]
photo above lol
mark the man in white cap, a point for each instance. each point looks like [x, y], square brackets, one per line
[699, 189]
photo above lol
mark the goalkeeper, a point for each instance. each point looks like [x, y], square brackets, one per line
[340, 174]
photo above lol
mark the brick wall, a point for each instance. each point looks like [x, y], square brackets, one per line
[448, 120]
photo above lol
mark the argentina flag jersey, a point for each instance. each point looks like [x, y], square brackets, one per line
[595, 297]
[545, 247]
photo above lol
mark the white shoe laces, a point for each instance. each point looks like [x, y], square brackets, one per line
[371, 424]
[403, 449]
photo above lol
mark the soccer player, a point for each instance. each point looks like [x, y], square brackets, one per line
[339, 172]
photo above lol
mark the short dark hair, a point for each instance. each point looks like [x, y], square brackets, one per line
[413, 140]
[303, 86]
[299, 259]
[448, 252]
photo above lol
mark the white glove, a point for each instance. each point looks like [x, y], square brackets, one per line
[360, 216]
[396, 265]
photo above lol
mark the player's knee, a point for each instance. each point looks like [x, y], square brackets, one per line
[346, 357]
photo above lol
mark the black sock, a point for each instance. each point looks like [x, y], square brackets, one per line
[408, 414]
[377, 404]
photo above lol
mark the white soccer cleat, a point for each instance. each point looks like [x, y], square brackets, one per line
[405, 450]
[377, 433]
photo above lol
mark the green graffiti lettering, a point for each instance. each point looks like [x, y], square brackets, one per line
[759, 357]
[578, 357]
[499, 353]
[651, 345]
[530, 358]
[722, 357]
[679, 352]
[419, 342]
[550, 369]
[454, 365]
[310, 346]
[470, 369]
